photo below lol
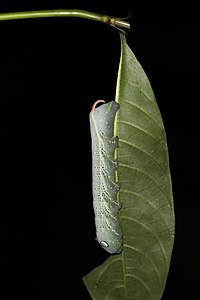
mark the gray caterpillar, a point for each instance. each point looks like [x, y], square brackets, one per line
[104, 176]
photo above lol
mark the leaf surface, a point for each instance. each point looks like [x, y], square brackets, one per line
[147, 213]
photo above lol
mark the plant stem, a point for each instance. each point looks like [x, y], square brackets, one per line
[116, 22]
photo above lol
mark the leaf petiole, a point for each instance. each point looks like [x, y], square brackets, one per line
[116, 22]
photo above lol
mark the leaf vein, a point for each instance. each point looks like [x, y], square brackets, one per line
[103, 271]
[139, 87]
[147, 175]
[148, 229]
[152, 263]
[150, 203]
[114, 288]
[144, 112]
[140, 129]
[141, 281]
[142, 151]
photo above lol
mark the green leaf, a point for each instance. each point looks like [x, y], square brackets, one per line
[147, 213]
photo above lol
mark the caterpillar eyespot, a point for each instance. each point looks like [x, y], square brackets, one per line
[103, 244]
[104, 176]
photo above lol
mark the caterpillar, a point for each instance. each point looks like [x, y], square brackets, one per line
[105, 184]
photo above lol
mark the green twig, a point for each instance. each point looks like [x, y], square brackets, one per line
[116, 22]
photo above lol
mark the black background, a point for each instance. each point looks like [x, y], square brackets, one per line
[51, 72]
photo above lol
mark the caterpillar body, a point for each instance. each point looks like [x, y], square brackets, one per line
[105, 184]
